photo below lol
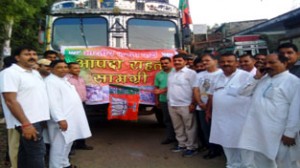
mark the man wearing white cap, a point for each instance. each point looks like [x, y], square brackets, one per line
[44, 67]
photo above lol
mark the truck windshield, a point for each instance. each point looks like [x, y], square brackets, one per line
[79, 32]
[152, 34]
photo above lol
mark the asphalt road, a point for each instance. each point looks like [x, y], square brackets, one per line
[125, 144]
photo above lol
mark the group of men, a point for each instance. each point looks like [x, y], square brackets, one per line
[248, 107]
[42, 106]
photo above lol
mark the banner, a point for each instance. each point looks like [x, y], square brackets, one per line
[101, 66]
[124, 103]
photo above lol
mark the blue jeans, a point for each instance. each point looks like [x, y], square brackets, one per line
[32, 153]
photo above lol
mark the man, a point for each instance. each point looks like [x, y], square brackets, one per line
[290, 51]
[26, 107]
[198, 65]
[160, 83]
[204, 82]
[259, 61]
[228, 108]
[11, 157]
[68, 120]
[79, 84]
[247, 63]
[190, 61]
[272, 126]
[50, 55]
[180, 95]
[44, 67]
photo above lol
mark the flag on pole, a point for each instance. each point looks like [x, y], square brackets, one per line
[185, 9]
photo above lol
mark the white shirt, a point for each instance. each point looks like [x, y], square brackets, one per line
[65, 104]
[274, 111]
[204, 82]
[229, 108]
[180, 87]
[31, 94]
[253, 71]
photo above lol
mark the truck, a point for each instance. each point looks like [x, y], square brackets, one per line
[119, 24]
[246, 44]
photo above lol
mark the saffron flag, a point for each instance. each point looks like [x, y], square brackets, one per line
[124, 102]
[185, 9]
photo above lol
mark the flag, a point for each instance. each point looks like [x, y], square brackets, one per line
[185, 9]
[123, 102]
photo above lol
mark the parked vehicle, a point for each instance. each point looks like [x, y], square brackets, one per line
[127, 24]
[246, 44]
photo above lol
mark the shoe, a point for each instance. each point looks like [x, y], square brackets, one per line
[178, 149]
[85, 147]
[167, 141]
[202, 149]
[211, 155]
[190, 152]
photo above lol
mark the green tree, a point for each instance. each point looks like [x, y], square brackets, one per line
[24, 17]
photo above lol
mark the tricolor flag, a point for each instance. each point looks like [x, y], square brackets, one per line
[185, 9]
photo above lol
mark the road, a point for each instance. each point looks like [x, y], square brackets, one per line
[125, 144]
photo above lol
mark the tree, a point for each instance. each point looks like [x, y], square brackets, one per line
[22, 16]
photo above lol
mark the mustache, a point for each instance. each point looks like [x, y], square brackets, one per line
[226, 66]
[31, 59]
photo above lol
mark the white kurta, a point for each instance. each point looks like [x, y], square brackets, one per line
[274, 111]
[65, 104]
[229, 108]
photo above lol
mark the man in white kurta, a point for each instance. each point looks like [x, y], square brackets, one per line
[68, 120]
[247, 62]
[229, 109]
[271, 131]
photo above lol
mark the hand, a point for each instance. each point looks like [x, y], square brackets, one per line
[160, 91]
[207, 116]
[202, 106]
[157, 104]
[287, 141]
[259, 74]
[63, 125]
[157, 91]
[191, 108]
[30, 133]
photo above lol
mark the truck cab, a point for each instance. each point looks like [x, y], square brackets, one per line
[125, 24]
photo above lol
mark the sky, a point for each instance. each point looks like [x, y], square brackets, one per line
[213, 12]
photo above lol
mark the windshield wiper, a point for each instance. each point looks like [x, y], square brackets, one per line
[82, 33]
